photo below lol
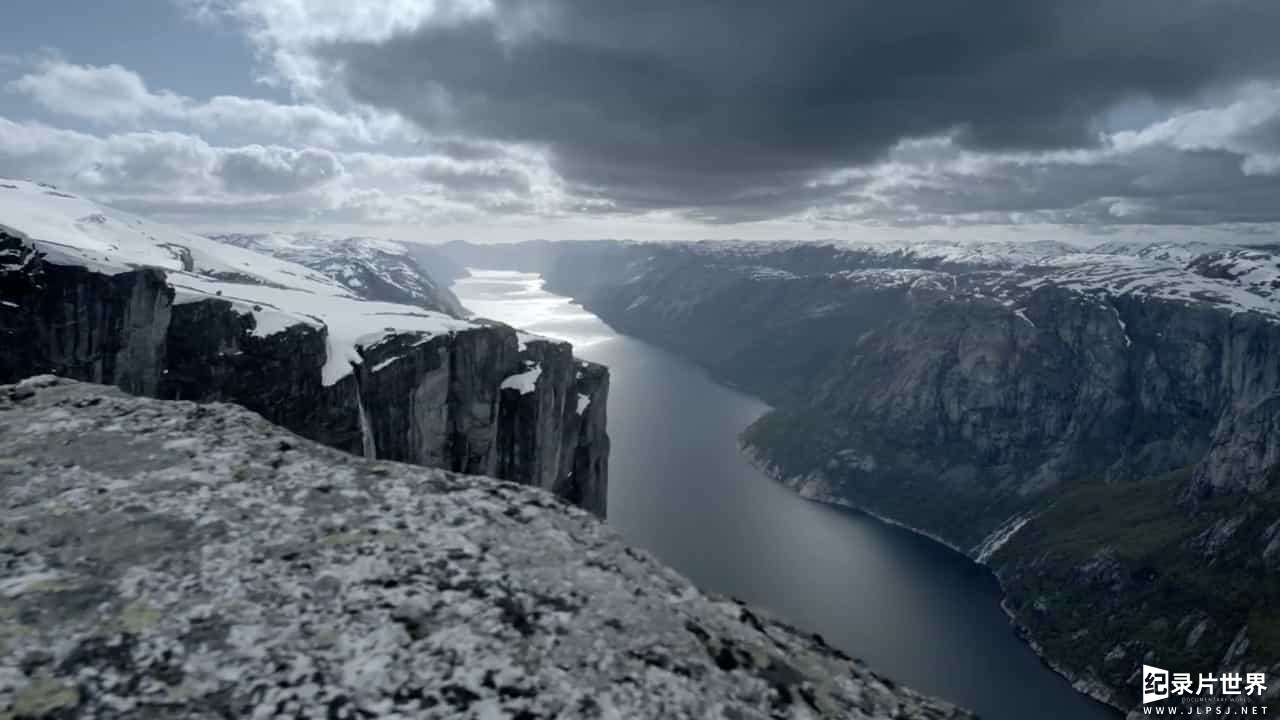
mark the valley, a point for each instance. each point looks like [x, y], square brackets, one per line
[1095, 426]
[680, 487]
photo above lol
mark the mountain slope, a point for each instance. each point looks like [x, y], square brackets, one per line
[367, 267]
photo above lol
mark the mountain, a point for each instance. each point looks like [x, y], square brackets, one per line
[173, 559]
[441, 266]
[369, 268]
[1100, 426]
[94, 294]
[532, 256]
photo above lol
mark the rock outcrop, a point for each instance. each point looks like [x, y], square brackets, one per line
[1099, 428]
[159, 312]
[101, 328]
[173, 559]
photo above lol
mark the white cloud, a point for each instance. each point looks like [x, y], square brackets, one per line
[1201, 166]
[1261, 165]
[109, 93]
[123, 164]
[151, 162]
[300, 122]
[1248, 126]
[116, 95]
[182, 177]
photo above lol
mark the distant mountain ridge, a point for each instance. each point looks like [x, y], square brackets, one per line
[371, 268]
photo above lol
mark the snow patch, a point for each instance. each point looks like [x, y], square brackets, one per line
[525, 382]
[1120, 275]
[347, 322]
[385, 363]
[998, 539]
[1124, 329]
[524, 338]
[913, 278]
[584, 402]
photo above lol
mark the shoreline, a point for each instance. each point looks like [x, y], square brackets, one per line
[1088, 687]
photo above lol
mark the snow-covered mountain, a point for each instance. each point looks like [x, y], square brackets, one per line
[277, 293]
[888, 253]
[370, 268]
[1233, 278]
[95, 294]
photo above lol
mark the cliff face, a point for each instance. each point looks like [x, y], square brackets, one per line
[1112, 460]
[1098, 429]
[169, 559]
[552, 424]
[434, 401]
[97, 327]
[1063, 388]
[372, 378]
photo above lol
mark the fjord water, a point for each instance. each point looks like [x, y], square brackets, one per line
[679, 487]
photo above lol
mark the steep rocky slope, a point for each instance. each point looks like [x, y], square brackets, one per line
[1098, 426]
[370, 268]
[97, 295]
[169, 559]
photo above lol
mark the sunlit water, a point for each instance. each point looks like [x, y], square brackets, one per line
[678, 487]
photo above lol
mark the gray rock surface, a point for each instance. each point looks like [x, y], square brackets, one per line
[172, 559]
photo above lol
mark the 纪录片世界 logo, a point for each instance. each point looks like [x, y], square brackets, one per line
[1228, 688]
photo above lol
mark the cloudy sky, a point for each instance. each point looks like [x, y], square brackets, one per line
[508, 119]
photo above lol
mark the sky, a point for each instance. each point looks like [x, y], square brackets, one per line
[663, 119]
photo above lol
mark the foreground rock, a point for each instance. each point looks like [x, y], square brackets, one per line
[169, 559]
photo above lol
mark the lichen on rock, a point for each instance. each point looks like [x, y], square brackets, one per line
[165, 559]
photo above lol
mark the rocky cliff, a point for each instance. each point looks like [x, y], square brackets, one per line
[1097, 427]
[162, 313]
[171, 559]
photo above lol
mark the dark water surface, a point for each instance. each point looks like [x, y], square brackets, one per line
[678, 487]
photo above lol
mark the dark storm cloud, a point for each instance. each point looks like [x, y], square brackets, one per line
[1151, 185]
[718, 106]
[255, 168]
